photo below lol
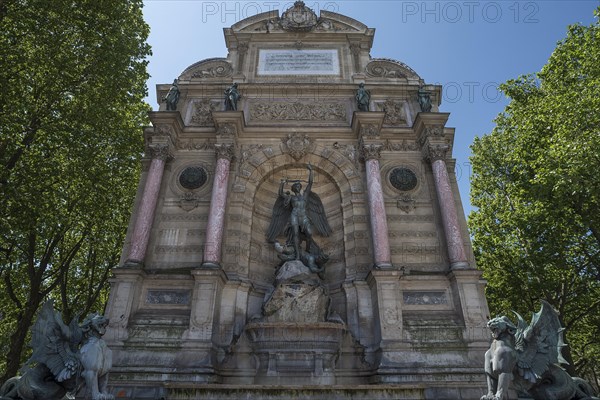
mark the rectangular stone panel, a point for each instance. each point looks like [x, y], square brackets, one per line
[298, 62]
[425, 298]
[160, 296]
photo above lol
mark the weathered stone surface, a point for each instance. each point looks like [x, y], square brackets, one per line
[386, 308]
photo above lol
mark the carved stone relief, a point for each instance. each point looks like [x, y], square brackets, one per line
[202, 114]
[390, 69]
[297, 111]
[208, 69]
[384, 70]
[297, 145]
[406, 145]
[394, 113]
[298, 18]
[348, 150]
[189, 201]
[191, 144]
[406, 203]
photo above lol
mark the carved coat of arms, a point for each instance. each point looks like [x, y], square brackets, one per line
[297, 145]
[298, 18]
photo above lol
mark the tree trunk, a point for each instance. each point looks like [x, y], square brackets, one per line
[17, 339]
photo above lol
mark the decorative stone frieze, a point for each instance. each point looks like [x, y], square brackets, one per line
[405, 145]
[298, 111]
[192, 144]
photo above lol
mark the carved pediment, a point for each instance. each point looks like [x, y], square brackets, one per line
[390, 69]
[299, 18]
[212, 68]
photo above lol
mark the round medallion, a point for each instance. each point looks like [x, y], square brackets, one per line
[193, 177]
[403, 179]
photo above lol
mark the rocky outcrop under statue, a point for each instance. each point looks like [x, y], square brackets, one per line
[527, 357]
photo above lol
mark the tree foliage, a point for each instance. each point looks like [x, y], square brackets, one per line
[71, 109]
[536, 186]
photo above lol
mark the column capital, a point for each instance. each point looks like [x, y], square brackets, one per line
[367, 124]
[370, 151]
[161, 151]
[434, 152]
[226, 131]
[430, 127]
[225, 150]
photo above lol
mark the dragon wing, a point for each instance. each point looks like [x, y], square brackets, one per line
[539, 344]
[52, 345]
[280, 218]
[316, 214]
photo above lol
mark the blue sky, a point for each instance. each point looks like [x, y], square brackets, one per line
[469, 47]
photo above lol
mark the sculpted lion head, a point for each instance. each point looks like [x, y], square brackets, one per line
[500, 326]
[94, 325]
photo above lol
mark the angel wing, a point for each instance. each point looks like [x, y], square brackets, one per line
[316, 214]
[539, 344]
[279, 220]
[54, 345]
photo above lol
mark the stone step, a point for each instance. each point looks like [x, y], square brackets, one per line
[334, 392]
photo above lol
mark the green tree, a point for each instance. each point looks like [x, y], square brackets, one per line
[536, 230]
[73, 79]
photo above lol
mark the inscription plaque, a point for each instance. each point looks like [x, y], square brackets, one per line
[298, 62]
[157, 296]
[425, 298]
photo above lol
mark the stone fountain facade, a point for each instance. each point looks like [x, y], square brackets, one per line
[201, 307]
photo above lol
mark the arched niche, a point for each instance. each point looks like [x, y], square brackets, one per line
[336, 182]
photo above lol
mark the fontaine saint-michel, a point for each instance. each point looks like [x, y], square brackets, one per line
[298, 229]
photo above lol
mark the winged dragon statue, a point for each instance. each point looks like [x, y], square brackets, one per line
[297, 215]
[66, 359]
[527, 357]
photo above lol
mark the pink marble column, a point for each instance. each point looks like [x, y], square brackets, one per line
[218, 203]
[379, 230]
[454, 241]
[147, 207]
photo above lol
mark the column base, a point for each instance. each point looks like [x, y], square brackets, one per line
[459, 265]
[133, 264]
[383, 265]
[210, 265]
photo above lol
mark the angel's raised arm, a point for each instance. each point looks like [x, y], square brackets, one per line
[310, 180]
[281, 185]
